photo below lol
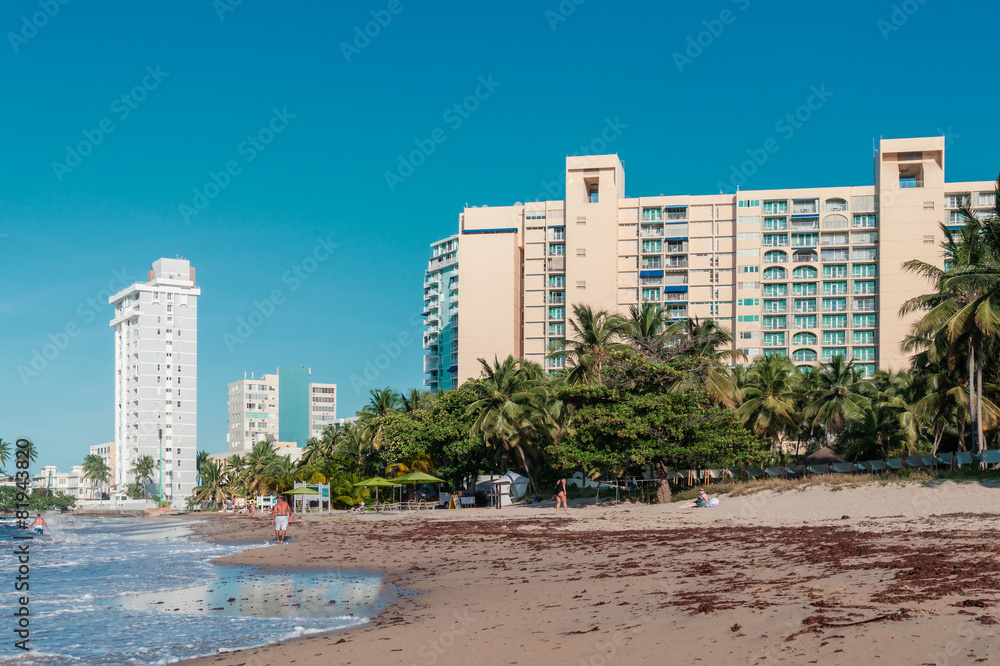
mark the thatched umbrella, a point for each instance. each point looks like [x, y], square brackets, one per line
[823, 456]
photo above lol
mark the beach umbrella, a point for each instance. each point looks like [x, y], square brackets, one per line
[301, 491]
[377, 482]
[418, 477]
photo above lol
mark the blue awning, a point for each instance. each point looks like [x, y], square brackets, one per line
[490, 231]
[453, 368]
[556, 226]
[804, 216]
[676, 238]
[650, 273]
[427, 313]
[677, 287]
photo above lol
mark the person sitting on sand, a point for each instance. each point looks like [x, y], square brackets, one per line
[281, 516]
[360, 508]
[702, 499]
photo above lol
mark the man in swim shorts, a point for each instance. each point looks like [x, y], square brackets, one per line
[39, 525]
[281, 515]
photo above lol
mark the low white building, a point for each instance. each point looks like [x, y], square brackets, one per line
[71, 483]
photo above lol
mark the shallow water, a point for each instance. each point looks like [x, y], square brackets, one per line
[135, 591]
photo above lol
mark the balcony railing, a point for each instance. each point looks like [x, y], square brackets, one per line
[652, 232]
[910, 183]
[804, 257]
[677, 263]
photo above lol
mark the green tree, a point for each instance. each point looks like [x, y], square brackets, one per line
[837, 395]
[142, 470]
[96, 471]
[595, 335]
[769, 398]
[4, 454]
[646, 330]
[215, 487]
[703, 350]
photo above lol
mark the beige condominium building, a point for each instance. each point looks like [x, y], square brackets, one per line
[810, 273]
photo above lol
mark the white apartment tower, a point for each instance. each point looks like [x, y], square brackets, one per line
[156, 378]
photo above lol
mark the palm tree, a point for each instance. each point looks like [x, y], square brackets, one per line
[769, 398]
[215, 487]
[646, 330]
[96, 470]
[595, 335]
[838, 394]
[201, 459]
[414, 399]
[508, 406]
[142, 470]
[705, 350]
[420, 462]
[875, 433]
[382, 402]
[255, 472]
[4, 454]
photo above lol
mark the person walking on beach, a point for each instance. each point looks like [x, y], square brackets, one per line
[561, 496]
[39, 525]
[281, 515]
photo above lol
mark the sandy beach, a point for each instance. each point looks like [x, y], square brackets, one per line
[898, 574]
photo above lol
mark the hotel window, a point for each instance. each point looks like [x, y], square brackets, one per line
[863, 354]
[864, 270]
[748, 219]
[747, 302]
[834, 321]
[748, 236]
[775, 240]
[864, 337]
[748, 253]
[834, 305]
[804, 289]
[534, 215]
[839, 238]
[834, 288]
[650, 294]
[557, 329]
[581, 252]
[749, 285]
[775, 207]
[557, 281]
[747, 319]
[581, 284]
[865, 221]
[865, 287]
[557, 313]
[829, 353]
[805, 321]
[834, 337]
[775, 290]
[775, 257]
[805, 273]
[986, 199]
[774, 339]
[865, 321]
[864, 304]
[804, 355]
[749, 335]
[805, 206]
[775, 224]
[557, 249]
[804, 305]
[775, 322]
[804, 339]
[749, 203]
[834, 255]
[750, 269]
[864, 254]
[834, 205]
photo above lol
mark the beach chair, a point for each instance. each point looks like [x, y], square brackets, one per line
[928, 461]
[775, 472]
[876, 466]
[753, 472]
[913, 462]
[844, 468]
[963, 458]
[819, 469]
[796, 470]
[894, 464]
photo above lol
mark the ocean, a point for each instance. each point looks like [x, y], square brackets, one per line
[139, 591]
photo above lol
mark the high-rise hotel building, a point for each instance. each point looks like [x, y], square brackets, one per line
[441, 315]
[284, 407]
[807, 273]
[156, 378]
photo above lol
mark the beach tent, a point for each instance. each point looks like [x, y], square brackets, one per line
[511, 485]
[823, 456]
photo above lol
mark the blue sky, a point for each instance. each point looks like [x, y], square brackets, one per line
[690, 90]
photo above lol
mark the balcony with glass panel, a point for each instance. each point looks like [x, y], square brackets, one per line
[805, 322]
[651, 263]
[651, 230]
[675, 296]
[677, 311]
[864, 238]
[775, 290]
[834, 288]
[775, 240]
[864, 305]
[652, 247]
[804, 289]
[775, 273]
[805, 206]
[804, 356]
[775, 257]
[557, 281]
[804, 255]
[676, 247]
[677, 262]
[806, 224]
[834, 238]
[805, 273]
[775, 207]
[834, 205]
[804, 305]
[864, 337]
[776, 306]
[864, 254]
[865, 321]
[652, 214]
[829, 353]
[675, 278]
[676, 213]
[774, 323]
[865, 287]
[557, 297]
[650, 281]
[556, 264]
[557, 313]
[863, 354]
[775, 224]
[834, 321]
[868, 221]
[651, 295]
[834, 305]
[805, 240]
[773, 340]
[804, 339]
[864, 270]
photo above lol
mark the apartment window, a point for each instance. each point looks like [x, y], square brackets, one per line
[775, 257]
[864, 203]
[834, 205]
[865, 221]
[749, 269]
[829, 353]
[804, 339]
[749, 285]
[774, 339]
[805, 206]
[581, 220]
[557, 249]
[557, 281]
[955, 217]
[834, 337]
[775, 323]
[557, 329]
[534, 215]
[863, 354]
[775, 224]
[864, 270]
[834, 288]
[864, 287]
[864, 304]
[864, 254]
[775, 240]
[804, 305]
[834, 305]
[747, 319]
[805, 240]
[956, 200]
[749, 203]
[986, 199]
[581, 252]
[834, 321]
[748, 219]
[652, 214]
[776, 352]
[775, 290]
[557, 313]
[581, 284]
[806, 321]
[864, 337]
[747, 302]
[748, 237]
[834, 255]
[929, 240]
[651, 294]
[775, 207]
[749, 335]
[928, 205]
[804, 289]
[804, 355]
[652, 247]
[748, 253]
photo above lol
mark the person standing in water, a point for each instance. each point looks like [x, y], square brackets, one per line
[281, 515]
[39, 525]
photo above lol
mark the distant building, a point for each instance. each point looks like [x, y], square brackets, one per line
[105, 452]
[156, 378]
[71, 483]
[283, 407]
[441, 315]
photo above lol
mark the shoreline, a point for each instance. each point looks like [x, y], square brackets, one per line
[905, 572]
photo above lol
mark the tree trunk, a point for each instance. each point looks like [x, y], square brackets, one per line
[937, 441]
[662, 485]
[527, 470]
[972, 396]
[980, 438]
